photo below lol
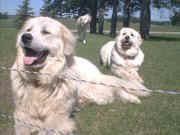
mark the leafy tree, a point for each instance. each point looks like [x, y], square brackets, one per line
[46, 9]
[82, 6]
[129, 7]
[114, 18]
[74, 6]
[56, 8]
[23, 13]
[4, 15]
[126, 15]
[101, 16]
[145, 18]
[175, 19]
[172, 5]
[93, 9]
[161, 3]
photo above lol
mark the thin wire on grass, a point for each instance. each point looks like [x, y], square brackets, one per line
[172, 92]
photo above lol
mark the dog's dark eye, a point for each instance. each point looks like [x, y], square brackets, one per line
[29, 29]
[132, 35]
[124, 33]
[45, 32]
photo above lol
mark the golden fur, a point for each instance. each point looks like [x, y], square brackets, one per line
[46, 46]
[124, 55]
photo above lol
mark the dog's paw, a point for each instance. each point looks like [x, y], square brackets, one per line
[135, 76]
[84, 42]
[128, 97]
[139, 79]
[134, 99]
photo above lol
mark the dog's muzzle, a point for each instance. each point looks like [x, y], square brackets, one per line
[126, 43]
[127, 38]
[32, 56]
[26, 38]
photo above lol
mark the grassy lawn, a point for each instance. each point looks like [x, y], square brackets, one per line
[7, 55]
[71, 24]
[157, 115]
[155, 28]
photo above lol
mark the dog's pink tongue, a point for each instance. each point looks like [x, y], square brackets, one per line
[29, 60]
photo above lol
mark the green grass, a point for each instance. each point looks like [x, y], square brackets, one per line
[157, 115]
[7, 56]
[71, 24]
[155, 28]
[7, 22]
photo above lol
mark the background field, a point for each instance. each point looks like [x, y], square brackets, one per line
[157, 115]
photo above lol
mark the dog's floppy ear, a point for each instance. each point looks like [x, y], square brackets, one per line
[140, 40]
[68, 40]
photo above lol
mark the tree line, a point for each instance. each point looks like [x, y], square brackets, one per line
[3, 15]
[97, 8]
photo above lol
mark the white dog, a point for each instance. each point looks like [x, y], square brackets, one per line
[50, 81]
[82, 26]
[124, 56]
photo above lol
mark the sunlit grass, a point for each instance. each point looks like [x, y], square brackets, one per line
[157, 115]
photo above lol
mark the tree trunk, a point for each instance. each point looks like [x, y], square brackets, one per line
[82, 6]
[114, 19]
[126, 15]
[145, 18]
[101, 17]
[93, 15]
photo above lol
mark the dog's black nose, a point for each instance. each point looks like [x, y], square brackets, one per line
[127, 37]
[27, 38]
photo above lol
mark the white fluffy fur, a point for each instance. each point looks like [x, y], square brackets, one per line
[48, 100]
[82, 27]
[124, 63]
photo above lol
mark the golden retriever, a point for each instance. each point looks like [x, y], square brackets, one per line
[48, 90]
[82, 26]
[124, 56]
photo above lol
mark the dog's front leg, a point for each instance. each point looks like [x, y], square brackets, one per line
[105, 90]
[135, 76]
[58, 124]
[122, 73]
[21, 129]
[93, 93]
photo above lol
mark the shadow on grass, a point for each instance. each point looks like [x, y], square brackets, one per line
[163, 38]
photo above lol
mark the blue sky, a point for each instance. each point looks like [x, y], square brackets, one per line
[10, 6]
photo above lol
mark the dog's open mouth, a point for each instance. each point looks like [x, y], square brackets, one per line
[126, 44]
[33, 57]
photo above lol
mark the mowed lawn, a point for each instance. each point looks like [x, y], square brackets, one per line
[158, 114]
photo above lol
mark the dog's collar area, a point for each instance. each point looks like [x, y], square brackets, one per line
[129, 57]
